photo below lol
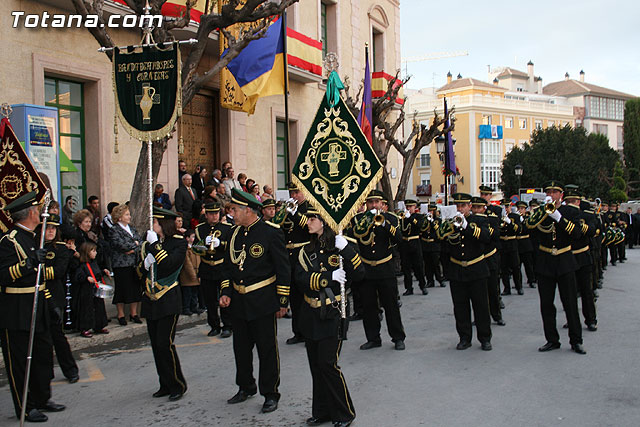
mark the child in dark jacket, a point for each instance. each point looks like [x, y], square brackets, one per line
[91, 310]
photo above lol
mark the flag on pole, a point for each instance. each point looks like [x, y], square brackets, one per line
[450, 160]
[365, 117]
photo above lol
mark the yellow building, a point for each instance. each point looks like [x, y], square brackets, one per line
[491, 120]
[61, 67]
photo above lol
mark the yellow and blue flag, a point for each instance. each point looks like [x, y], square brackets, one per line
[259, 68]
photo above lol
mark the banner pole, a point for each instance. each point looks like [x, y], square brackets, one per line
[150, 192]
[286, 81]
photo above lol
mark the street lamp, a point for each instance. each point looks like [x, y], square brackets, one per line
[518, 171]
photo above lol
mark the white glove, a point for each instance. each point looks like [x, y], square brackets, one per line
[556, 215]
[430, 218]
[148, 261]
[339, 275]
[521, 218]
[548, 199]
[507, 219]
[464, 223]
[216, 242]
[207, 240]
[292, 210]
[152, 237]
[374, 211]
[341, 242]
[407, 214]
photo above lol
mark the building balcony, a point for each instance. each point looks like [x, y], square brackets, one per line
[423, 190]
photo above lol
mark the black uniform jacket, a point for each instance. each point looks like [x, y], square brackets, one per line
[18, 275]
[525, 244]
[258, 270]
[509, 233]
[213, 265]
[313, 277]
[580, 246]
[296, 233]
[554, 256]
[430, 241]
[493, 221]
[170, 255]
[411, 228]
[375, 245]
[466, 249]
[55, 272]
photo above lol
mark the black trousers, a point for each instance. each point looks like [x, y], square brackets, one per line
[493, 290]
[331, 398]
[622, 252]
[464, 296]
[162, 332]
[584, 285]
[295, 298]
[356, 293]
[14, 350]
[604, 255]
[411, 259]
[432, 266]
[211, 292]
[61, 345]
[189, 298]
[262, 333]
[384, 291]
[510, 264]
[566, 284]
[526, 258]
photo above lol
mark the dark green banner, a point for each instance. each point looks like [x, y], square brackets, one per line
[147, 86]
[336, 168]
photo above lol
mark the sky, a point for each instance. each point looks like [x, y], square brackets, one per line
[597, 36]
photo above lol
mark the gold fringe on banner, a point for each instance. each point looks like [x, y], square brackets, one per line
[115, 133]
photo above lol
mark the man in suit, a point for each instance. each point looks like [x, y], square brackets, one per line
[184, 197]
[160, 198]
[216, 177]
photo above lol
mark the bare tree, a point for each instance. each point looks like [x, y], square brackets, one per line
[233, 12]
[385, 129]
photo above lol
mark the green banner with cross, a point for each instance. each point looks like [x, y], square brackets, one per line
[147, 87]
[336, 168]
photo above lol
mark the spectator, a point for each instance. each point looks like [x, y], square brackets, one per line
[216, 177]
[125, 251]
[197, 213]
[189, 281]
[107, 221]
[242, 179]
[54, 208]
[248, 184]
[255, 190]
[94, 208]
[182, 169]
[82, 221]
[268, 192]
[230, 182]
[199, 182]
[184, 198]
[68, 210]
[180, 225]
[91, 311]
[222, 195]
[160, 198]
[210, 193]
[225, 166]
[228, 218]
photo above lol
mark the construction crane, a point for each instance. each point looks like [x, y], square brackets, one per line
[431, 57]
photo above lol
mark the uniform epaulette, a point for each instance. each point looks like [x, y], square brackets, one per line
[272, 224]
[480, 214]
[589, 211]
[61, 243]
[178, 236]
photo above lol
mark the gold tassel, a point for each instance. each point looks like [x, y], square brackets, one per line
[180, 140]
[115, 133]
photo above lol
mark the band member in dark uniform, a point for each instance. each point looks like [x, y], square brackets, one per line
[164, 251]
[318, 274]
[59, 256]
[431, 247]
[486, 193]
[604, 254]
[556, 228]
[479, 209]
[214, 235]
[509, 257]
[611, 220]
[525, 247]
[258, 293]
[376, 232]
[411, 249]
[19, 259]
[467, 236]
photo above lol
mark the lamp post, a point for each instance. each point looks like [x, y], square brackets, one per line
[441, 149]
[518, 171]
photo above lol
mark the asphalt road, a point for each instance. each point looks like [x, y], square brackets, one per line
[430, 383]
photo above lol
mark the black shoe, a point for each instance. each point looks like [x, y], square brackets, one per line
[73, 378]
[176, 396]
[355, 316]
[599, 286]
[613, 263]
[442, 284]
[621, 262]
[200, 311]
[532, 285]
[424, 291]
[501, 305]
[500, 322]
[596, 294]
[370, 344]
[578, 348]
[135, 319]
[161, 393]
[431, 285]
[408, 292]
[226, 333]
[52, 406]
[295, 340]
[240, 396]
[520, 292]
[316, 421]
[35, 416]
[187, 312]
[122, 321]
[505, 293]
[565, 326]
[213, 332]
[342, 423]
[399, 303]
[399, 345]
[486, 346]
[549, 346]
[463, 345]
[592, 327]
[270, 405]
[381, 314]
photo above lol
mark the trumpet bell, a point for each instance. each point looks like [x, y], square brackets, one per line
[378, 220]
[550, 208]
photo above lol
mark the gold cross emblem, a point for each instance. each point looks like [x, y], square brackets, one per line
[333, 158]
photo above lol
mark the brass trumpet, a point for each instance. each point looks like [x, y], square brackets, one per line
[213, 234]
[550, 208]
[291, 203]
[430, 216]
[458, 220]
[378, 219]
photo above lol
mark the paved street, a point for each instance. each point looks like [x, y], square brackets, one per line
[428, 384]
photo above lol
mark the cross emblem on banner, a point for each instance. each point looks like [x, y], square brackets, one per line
[333, 158]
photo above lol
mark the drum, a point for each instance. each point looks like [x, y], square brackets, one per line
[105, 289]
